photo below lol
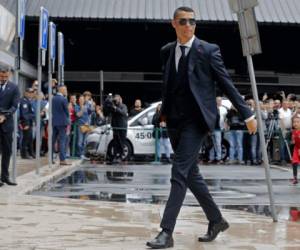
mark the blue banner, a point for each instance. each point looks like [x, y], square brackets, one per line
[52, 31]
[21, 18]
[43, 35]
[61, 50]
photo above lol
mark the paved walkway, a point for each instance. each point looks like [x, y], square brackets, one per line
[41, 223]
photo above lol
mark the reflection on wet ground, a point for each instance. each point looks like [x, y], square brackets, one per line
[151, 186]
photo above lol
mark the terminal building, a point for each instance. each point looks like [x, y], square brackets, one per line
[123, 38]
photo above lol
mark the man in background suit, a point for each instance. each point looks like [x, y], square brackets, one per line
[191, 67]
[9, 100]
[60, 121]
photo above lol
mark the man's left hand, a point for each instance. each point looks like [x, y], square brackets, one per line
[252, 126]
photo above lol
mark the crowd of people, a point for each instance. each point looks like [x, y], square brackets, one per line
[72, 117]
[280, 121]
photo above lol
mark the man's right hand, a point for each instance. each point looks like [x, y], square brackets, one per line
[252, 126]
[2, 118]
[26, 127]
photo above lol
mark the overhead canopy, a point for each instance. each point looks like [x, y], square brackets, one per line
[270, 11]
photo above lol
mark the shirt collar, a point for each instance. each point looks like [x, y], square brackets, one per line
[187, 44]
[4, 84]
[59, 94]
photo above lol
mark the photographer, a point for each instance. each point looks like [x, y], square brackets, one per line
[114, 107]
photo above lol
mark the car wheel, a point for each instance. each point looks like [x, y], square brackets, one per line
[128, 151]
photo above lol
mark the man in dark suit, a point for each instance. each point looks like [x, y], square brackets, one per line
[9, 99]
[60, 121]
[191, 67]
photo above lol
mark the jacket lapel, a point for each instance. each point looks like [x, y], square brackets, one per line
[5, 90]
[194, 55]
[168, 65]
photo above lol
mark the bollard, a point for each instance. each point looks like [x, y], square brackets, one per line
[74, 138]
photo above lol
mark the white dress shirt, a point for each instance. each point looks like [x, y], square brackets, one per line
[188, 46]
[4, 86]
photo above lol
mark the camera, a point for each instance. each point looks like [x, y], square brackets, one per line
[274, 115]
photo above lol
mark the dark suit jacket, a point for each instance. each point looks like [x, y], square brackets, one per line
[9, 100]
[119, 116]
[60, 111]
[205, 67]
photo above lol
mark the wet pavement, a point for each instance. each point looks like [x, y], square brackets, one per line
[229, 185]
[39, 222]
[27, 165]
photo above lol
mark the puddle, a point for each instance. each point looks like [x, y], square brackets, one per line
[147, 186]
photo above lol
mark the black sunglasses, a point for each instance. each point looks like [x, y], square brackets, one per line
[184, 21]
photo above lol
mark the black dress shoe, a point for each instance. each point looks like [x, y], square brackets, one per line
[8, 182]
[162, 240]
[213, 230]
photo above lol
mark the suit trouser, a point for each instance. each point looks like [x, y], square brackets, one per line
[119, 137]
[6, 145]
[186, 141]
[59, 132]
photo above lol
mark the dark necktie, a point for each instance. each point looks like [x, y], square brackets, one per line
[180, 69]
[1, 87]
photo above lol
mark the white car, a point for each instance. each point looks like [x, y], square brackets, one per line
[140, 138]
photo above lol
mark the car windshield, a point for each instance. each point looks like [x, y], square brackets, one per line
[144, 118]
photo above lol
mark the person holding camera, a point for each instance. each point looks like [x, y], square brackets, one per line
[114, 107]
[9, 100]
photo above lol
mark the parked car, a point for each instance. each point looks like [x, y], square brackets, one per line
[140, 138]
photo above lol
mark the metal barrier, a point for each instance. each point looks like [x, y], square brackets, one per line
[73, 138]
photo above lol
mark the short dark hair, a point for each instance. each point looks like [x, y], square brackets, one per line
[87, 93]
[182, 8]
[4, 68]
[292, 97]
[29, 90]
